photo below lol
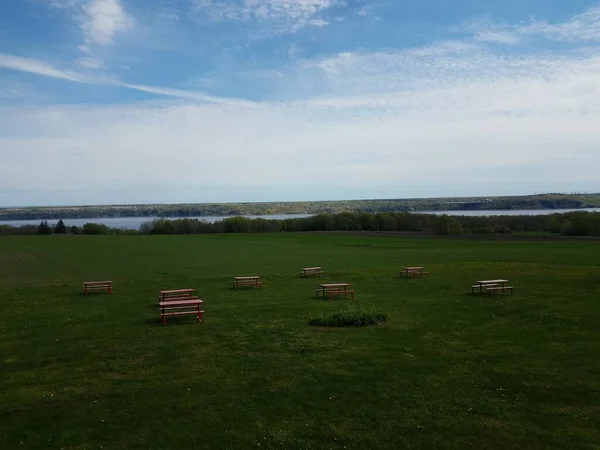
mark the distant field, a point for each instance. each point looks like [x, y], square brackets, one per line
[447, 370]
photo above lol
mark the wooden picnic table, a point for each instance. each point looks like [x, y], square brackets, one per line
[97, 286]
[414, 271]
[500, 282]
[491, 286]
[180, 308]
[332, 289]
[311, 272]
[253, 280]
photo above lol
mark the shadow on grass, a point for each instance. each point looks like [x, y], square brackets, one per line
[173, 322]
[95, 294]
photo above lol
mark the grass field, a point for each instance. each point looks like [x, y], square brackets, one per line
[447, 369]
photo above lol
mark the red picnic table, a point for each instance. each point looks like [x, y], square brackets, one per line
[332, 289]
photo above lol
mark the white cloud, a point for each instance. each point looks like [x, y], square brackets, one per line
[100, 22]
[580, 28]
[478, 119]
[91, 63]
[104, 19]
[187, 95]
[497, 36]
[62, 3]
[37, 67]
[448, 113]
[287, 15]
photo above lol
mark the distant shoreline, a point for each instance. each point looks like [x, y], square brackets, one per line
[556, 202]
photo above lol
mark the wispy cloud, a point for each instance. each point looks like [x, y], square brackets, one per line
[497, 36]
[286, 15]
[186, 94]
[580, 28]
[38, 67]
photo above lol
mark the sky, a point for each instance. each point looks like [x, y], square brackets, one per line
[175, 101]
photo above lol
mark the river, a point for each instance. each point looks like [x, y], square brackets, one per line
[134, 223]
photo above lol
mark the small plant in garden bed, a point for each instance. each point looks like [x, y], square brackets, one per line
[348, 318]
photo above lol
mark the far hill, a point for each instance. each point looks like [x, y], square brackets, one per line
[543, 201]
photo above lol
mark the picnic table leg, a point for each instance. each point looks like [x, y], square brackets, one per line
[109, 290]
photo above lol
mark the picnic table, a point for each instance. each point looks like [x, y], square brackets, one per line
[490, 286]
[97, 286]
[190, 306]
[337, 289]
[417, 271]
[252, 281]
[311, 272]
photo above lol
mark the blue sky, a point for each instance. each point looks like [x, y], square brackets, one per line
[131, 101]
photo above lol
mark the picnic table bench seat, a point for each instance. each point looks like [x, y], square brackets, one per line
[499, 290]
[97, 286]
[479, 287]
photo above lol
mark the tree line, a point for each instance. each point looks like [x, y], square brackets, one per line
[44, 228]
[542, 201]
[578, 223]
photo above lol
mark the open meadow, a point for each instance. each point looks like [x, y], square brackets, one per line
[448, 370]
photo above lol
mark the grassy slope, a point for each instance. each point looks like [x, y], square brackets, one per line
[448, 370]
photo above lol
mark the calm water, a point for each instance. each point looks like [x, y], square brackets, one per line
[133, 223]
[514, 212]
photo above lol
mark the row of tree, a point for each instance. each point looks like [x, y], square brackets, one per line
[573, 224]
[570, 224]
[44, 228]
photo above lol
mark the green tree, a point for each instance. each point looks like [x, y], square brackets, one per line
[60, 227]
[447, 225]
[44, 228]
[95, 228]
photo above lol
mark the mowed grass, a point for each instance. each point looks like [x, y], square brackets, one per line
[447, 369]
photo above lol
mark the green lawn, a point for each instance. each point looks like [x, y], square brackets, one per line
[447, 369]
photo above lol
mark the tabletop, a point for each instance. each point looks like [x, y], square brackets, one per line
[254, 277]
[334, 285]
[491, 281]
[414, 268]
[312, 268]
